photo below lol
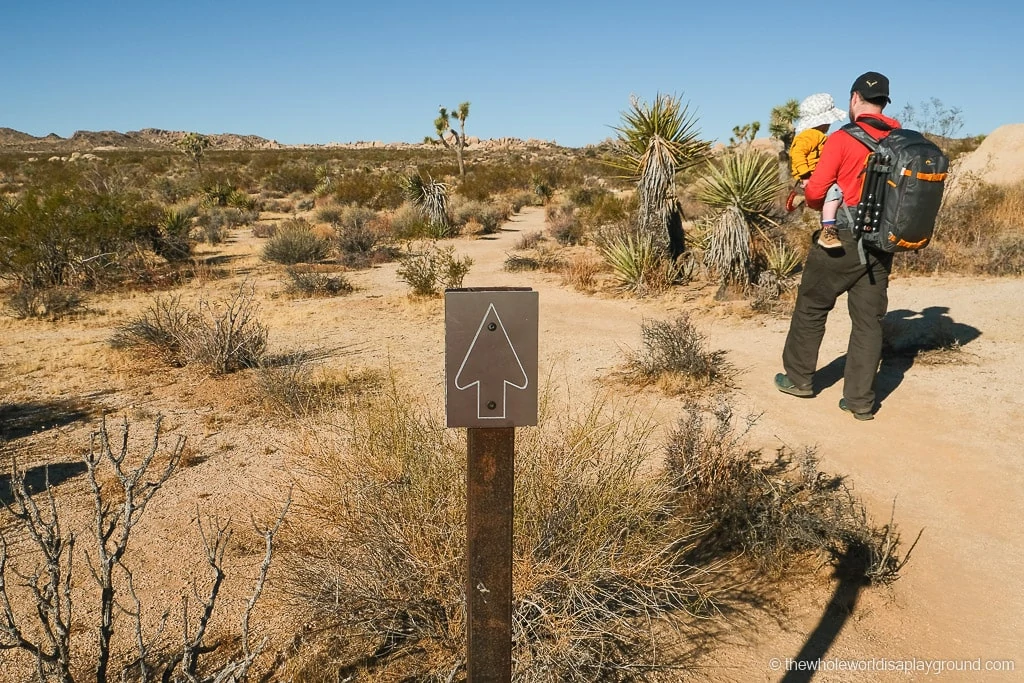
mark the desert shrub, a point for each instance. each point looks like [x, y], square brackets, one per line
[264, 230]
[294, 242]
[774, 512]
[173, 241]
[433, 269]
[528, 240]
[563, 224]
[488, 215]
[222, 337]
[638, 264]
[600, 560]
[358, 234]
[375, 191]
[409, 222]
[517, 200]
[674, 354]
[162, 329]
[214, 224]
[292, 176]
[49, 303]
[329, 213]
[307, 283]
[62, 234]
[606, 209]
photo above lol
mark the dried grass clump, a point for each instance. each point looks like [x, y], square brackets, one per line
[774, 512]
[581, 273]
[675, 357]
[294, 388]
[599, 551]
[222, 337]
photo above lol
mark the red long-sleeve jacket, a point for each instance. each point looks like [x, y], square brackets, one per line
[842, 160]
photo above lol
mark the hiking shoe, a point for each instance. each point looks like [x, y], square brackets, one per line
[828, 238]
[786, 386]
[860, 416]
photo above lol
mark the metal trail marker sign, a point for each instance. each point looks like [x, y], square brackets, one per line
[491, 357]
[491, 388]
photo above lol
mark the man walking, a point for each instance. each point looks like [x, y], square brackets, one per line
[829, 273]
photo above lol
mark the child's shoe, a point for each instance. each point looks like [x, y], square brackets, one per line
[828, 238]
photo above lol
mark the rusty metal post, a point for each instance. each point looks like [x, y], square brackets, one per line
[489, 488]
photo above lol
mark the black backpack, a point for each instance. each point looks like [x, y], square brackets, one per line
[904, 176]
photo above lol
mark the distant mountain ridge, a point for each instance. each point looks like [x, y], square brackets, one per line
[147, 138]
[155, 139]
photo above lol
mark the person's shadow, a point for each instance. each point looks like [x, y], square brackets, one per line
[907, 335]
[851, 570]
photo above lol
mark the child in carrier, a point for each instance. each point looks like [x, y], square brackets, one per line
[817, 113]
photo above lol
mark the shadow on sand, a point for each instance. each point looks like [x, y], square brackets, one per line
[850, 575]
[907, 335]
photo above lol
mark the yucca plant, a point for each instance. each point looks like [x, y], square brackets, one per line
[638, 264]
[432, 197]
[656, 141]
[743, 191]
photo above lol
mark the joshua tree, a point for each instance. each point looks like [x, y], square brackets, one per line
[443, 126]
[743, 191]
[656, 141]
[194, 145]
[745, 133]
[780, 125]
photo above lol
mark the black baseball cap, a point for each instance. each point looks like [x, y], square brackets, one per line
[871, 85]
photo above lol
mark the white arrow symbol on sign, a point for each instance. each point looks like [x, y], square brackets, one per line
[491, 365]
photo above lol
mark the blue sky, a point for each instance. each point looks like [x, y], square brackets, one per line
[316, 72]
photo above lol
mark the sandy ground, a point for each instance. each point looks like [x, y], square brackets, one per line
[944, 445]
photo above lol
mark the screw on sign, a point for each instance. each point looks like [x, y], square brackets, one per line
[490, 387]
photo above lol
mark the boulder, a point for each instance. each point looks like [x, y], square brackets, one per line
[999, 160]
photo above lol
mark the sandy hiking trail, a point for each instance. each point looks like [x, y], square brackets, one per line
[944, 445]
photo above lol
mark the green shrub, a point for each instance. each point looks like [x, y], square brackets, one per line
[292, 176]
[489, 216]
[409, 222]
[294, 242]
[62, 234]
[433, 269]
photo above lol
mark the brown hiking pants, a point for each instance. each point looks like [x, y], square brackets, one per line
[827, 274]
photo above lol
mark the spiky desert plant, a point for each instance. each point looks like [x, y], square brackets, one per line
[432, 197]
[742, 191]
[780, 123]
[656, 141]
[638, 265]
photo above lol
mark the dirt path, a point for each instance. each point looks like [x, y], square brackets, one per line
[944, 444]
